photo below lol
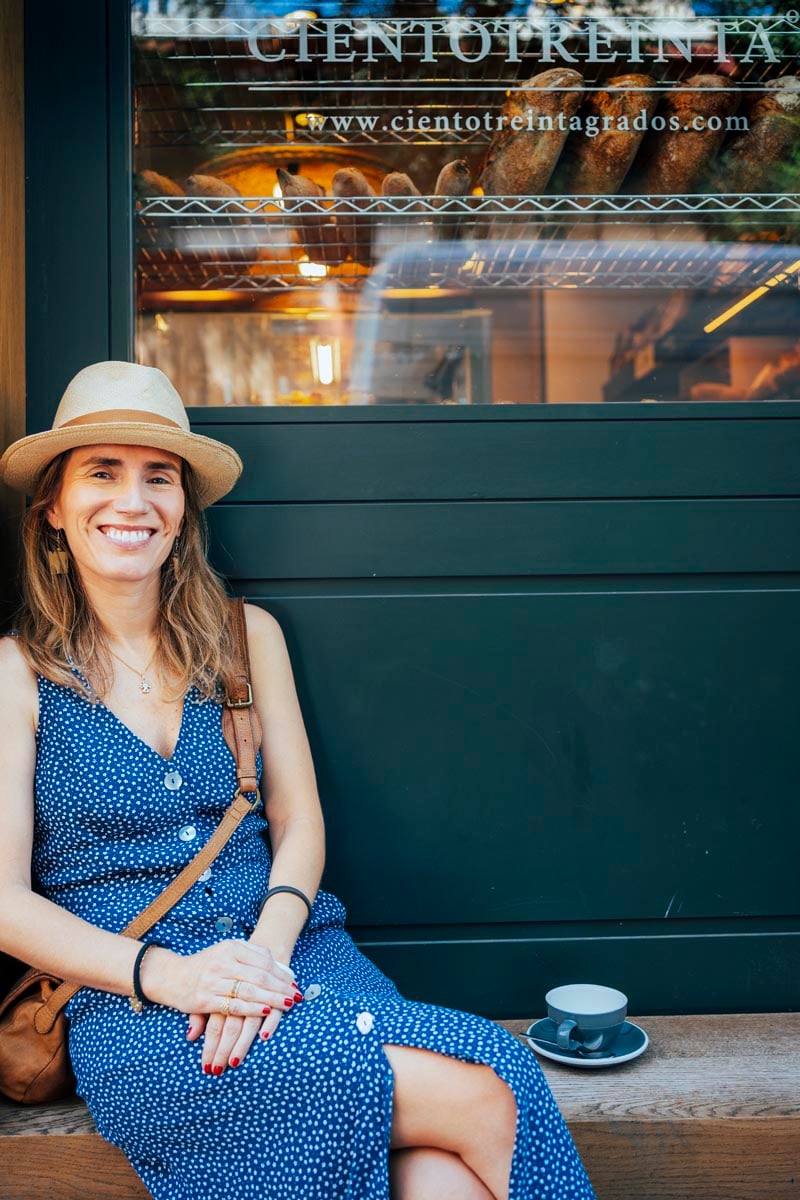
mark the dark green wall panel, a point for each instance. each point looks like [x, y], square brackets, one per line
[522, 459]
[599, 756]
[481, 539]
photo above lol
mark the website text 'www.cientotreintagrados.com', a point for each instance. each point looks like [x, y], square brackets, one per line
[411, 121]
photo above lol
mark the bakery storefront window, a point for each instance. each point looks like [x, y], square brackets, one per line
[489, 203]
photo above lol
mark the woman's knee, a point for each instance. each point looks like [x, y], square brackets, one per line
[425, 1173]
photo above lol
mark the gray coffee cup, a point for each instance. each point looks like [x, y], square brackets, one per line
[588, 1017]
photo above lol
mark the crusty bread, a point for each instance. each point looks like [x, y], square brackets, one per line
[150, 184]
[519, 162]
[597, 165]
[674, 161]
[317, 233]
[753, 159]
[354, 232]
[210, 185]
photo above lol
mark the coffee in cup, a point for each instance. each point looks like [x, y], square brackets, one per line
[587, 1016]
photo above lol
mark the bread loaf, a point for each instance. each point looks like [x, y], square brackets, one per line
[755, 159]
[398, 184]
[150, 184]
[317, 234]
[355, 232]
[596, 164]
[210, 185]
[454, 180]
[675, 159]
[520, 161]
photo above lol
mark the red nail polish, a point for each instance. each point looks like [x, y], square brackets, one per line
[265, 1035]
[207, 1068]
[296, 985]
[217, 1070]
[298, 996]
[288, 1003]
[189, 1031]
[266, 1011]
[235, 1062]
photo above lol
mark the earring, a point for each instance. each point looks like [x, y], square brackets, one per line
[58, 558]
[176, 562]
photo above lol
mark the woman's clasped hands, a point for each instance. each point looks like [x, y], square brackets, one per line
[234, 990]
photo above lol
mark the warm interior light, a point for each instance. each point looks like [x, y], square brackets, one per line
[312, 270]
[276, 191]
[325, 360]
[316, 120]
[160, 324]
[750, 298]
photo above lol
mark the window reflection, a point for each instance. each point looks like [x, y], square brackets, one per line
[335, 207]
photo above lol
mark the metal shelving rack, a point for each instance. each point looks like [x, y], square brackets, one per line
[262, 244]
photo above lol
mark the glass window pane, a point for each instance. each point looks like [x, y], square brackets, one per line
[397, 203]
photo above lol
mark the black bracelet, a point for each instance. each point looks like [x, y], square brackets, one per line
[284, 887]
[137, 996]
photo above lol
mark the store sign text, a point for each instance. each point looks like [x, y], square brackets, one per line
[341, 41]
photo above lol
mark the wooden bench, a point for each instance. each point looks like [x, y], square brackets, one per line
[702, 1115]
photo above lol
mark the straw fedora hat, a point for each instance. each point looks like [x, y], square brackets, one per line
[123, 403]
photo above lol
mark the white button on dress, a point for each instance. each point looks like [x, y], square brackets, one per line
[173, 780]
[312, 991]
[365, 1021]
[188, 833]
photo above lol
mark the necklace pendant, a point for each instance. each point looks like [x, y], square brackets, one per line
[145, 685]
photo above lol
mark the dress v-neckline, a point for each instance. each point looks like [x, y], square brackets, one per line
[136, 737]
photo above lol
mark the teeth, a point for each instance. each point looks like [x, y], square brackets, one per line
[127, 537]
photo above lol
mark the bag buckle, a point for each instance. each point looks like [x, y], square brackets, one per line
[248, 703]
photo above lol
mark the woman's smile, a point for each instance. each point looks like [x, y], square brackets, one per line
[129, 536]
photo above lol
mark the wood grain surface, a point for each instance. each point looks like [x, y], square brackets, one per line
[705, 1114]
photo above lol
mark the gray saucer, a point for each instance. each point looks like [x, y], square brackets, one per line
[631, 1041]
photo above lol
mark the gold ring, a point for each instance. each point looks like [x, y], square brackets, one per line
[235, 990]
[226, 1004]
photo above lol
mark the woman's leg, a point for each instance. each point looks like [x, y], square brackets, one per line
[422, 1173]
[461, 1107]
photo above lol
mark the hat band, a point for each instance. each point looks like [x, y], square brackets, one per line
[113, 416]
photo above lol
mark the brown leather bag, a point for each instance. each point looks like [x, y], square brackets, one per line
[34, 1060]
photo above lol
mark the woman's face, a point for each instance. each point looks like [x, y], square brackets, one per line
[120, 508]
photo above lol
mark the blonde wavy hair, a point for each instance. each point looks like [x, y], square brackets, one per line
[56, 621]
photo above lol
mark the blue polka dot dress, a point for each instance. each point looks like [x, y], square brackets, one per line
[307, 1114]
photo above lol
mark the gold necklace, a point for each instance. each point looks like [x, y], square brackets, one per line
[144, 683]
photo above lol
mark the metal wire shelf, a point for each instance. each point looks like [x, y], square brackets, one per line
[260, 244]
[697, 205]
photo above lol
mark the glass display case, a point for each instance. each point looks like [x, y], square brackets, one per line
[531, 203]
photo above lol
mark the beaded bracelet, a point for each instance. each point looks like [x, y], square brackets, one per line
[284, 887]
[137, 997]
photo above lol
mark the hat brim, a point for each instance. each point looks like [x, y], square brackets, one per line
[216, 465]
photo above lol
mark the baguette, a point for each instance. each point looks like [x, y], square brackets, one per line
[354, 232]
[755, 158]
[673, 161]
[210, 185]
[519, 162]
[317, 233]
[150, 184]
[454, 179]
[596, 165]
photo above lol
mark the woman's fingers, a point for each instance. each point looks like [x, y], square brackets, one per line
[197, 1023]
[228, 1040]
[253, 1031]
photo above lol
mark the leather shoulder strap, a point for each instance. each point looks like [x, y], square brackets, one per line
[241, 726]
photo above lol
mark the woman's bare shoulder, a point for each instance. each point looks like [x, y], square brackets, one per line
[262, 627]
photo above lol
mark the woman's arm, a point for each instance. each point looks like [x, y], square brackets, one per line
[288, 786]
[37, 931]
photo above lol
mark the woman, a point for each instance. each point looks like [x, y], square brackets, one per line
[271, 1059]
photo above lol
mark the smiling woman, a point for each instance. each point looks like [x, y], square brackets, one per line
[116, 767]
